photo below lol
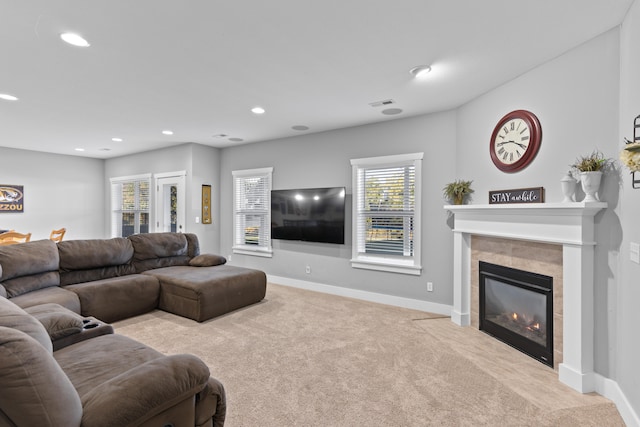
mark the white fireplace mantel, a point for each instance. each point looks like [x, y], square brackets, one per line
[568, 224]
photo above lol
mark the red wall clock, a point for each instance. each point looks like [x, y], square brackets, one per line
[515, 141]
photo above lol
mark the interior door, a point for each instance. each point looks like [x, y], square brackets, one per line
[170, 202]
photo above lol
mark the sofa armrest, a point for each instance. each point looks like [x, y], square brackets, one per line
[59, 321]
[211, 401]
[137, 395]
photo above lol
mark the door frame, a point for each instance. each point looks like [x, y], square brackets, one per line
[167, 178]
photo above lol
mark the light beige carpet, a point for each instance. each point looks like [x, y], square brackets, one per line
[302, 358]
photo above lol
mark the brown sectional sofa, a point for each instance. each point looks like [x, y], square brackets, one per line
[117, 278]
[72, 368]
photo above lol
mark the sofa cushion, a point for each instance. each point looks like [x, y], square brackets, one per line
[29, 266]
[156, 250]
[12, 316]
[53, 294]
[157, 385]
[34, 390]
[117, 297]
[86, 260]
[95, 361]
[57, 320]
[158, 245]
[207, 260]
[201, 293]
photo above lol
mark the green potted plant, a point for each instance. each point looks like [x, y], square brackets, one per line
[590, 169]
[457, 191]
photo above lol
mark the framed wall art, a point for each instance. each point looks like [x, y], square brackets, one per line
[206, 204]
[11, 198]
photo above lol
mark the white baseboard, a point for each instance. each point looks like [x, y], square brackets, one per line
[609, 388]
[430, 307]
[603, 386]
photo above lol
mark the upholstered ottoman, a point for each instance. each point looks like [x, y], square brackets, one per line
[201, 293]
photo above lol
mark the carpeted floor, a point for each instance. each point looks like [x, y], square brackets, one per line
[302, 358]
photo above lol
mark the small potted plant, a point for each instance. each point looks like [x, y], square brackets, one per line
[590, 169]
[457, 191]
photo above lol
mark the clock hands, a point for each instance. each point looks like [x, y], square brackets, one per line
[512, 142]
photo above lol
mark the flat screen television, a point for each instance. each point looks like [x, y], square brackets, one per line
[308, 214]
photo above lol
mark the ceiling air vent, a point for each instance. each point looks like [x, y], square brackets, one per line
[382, 103]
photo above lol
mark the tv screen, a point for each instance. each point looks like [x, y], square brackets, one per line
[309, 214]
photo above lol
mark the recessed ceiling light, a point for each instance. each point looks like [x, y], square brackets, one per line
[300, 127]
[104, 149]
[167, 132]
[79, 149]
[117, 139]
[236, 139]
[258, 110]
[74, 39]
[420, 71]
[8, 97]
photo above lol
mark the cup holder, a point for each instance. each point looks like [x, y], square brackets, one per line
[85, 321]
[90, 325]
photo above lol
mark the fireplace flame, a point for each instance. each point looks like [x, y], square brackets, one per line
[536, 326]
[515, 316]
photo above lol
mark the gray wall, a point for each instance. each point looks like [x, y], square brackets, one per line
[204, 170]
[60, 191]
[200, 163]
[323, 160]
[626, 289]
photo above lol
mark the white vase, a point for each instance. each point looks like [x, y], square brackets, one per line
[590, 185]
[568, 183]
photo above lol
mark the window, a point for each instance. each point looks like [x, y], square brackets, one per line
[252, 212]
[386, 213]
[130, 205]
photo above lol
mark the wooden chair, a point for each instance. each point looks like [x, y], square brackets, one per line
[57, 235]
[13, 237]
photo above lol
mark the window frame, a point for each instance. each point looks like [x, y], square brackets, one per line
[118, 211]
[404, 264]
[264, 248]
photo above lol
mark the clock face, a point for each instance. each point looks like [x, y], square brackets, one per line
[515, 141]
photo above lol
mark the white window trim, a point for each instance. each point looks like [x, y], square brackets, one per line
[260, 251]
[403, 265]
[120, 180]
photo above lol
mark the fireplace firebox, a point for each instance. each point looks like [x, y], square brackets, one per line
[516, 307]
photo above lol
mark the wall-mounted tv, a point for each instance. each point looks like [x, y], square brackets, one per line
[308, 214]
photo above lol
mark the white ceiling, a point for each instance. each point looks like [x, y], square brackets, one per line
[197, 67]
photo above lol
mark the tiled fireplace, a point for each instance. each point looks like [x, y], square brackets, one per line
[554, 239]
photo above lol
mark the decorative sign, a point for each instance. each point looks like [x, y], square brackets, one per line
[11, 198]
[518, 195]
[206, 204]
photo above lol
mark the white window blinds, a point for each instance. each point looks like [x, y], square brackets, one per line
[386, 220]
[130, 201]
[252, 211]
